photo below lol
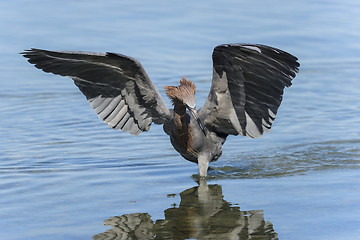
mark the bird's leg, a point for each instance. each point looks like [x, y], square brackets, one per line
[203, 162]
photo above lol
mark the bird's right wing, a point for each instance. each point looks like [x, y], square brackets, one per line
[117, 86]
[247, 88]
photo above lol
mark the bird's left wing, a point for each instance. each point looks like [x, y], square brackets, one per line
[247, 88]
[117, 86]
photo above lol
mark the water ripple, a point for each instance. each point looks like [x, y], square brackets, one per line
[292, 160]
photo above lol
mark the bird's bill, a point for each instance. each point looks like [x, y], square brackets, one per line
[196, 116]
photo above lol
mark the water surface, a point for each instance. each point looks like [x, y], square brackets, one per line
[64, 174]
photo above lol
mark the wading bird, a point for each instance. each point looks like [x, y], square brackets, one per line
[246, 92]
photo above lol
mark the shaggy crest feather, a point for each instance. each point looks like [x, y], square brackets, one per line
[185, 89]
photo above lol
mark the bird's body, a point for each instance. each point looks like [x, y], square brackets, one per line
[246, 92]
[192, 142]
[187, 134]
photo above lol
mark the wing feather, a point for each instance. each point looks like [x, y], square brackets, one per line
[116, 86]
[247, 88]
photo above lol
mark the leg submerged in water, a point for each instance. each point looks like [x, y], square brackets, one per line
[203, 162]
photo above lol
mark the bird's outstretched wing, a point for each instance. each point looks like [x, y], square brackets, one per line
[116, 86]
[247, 88]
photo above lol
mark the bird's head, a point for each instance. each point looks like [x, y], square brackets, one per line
[182, 94]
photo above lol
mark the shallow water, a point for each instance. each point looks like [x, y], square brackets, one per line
[64, 174]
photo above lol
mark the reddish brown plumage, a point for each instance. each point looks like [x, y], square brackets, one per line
[180, 95]
[186, 90]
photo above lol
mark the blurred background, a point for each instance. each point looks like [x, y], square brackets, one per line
[63, 172]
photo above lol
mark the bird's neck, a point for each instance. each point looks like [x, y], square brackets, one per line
[180, 120]
[182, 132]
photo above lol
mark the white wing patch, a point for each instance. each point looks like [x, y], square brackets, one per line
[272, 116]
[251, 128]
[115, 112]
[252, 48]
[265, 126]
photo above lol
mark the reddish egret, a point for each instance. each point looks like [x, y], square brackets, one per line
[246, 92]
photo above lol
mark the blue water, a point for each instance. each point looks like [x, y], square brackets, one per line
[64, 174]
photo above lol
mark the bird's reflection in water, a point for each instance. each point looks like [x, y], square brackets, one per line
[202, 214]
